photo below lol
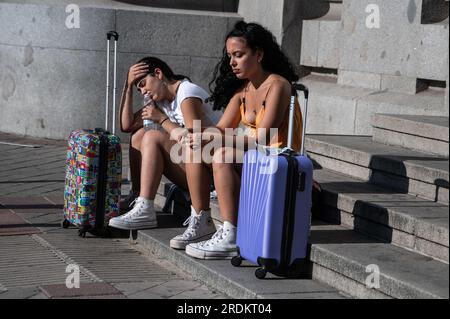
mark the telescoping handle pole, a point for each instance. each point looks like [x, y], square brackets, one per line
[297, 87]
[109, 35]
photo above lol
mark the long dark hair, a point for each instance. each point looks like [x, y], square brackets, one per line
[155, 63]
[274, 61]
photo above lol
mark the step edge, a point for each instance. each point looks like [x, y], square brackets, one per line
[379, 118]
[412, 170]
[343, 200]
[373, 225]
[150, 243]
[321, 249]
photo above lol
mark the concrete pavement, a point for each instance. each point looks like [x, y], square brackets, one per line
[38, 257]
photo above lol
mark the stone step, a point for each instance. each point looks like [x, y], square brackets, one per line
[400, 219]
[394, 167]
[428, 134]
[238, 283]
[348, 261]
[348, 110]
[339, 256]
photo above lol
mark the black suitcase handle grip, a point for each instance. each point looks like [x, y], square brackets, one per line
[112, 34]
[300, 87]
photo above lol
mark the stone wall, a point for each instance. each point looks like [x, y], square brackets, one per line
[52, 79]
[360, 57]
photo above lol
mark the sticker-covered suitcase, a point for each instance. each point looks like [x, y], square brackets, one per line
[93, 180]
[275, 207]
[94, 170]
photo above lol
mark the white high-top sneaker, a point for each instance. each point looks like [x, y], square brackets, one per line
[221, 246]
[200, 227]
[142, 216]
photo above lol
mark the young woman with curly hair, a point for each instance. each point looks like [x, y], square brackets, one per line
[252, 83]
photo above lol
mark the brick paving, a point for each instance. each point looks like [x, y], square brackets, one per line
[36, 251]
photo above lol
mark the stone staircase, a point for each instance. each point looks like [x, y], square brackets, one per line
[397, 194]
[399, 169]
[378, 131]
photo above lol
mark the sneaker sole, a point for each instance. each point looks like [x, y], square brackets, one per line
[207, 255]
[181, 245]
[134, 227]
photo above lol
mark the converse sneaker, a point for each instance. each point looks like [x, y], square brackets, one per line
[128, 201]
[221, 246]
[200, 227]
[142, 216]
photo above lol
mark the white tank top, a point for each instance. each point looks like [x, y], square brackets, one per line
[186, 90]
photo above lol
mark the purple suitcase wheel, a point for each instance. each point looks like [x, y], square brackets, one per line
[260, 273]
[236, 261]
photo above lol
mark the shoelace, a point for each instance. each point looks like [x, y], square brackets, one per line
[135, 211]
[193, 223]
[216, 238]
[134, 201]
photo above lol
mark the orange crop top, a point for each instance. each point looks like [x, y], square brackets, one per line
[280, 139]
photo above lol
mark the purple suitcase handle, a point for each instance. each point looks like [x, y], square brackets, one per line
[294, 88]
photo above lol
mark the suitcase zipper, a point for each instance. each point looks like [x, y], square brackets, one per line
[289, 212]
[101, 182]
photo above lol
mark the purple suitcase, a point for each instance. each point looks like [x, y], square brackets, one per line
[275, 207]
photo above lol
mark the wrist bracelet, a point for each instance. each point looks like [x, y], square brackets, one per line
[163, 121]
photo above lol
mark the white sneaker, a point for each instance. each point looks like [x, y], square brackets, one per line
[128, 201]
[200, 227]
[221, 246]
[142, 216]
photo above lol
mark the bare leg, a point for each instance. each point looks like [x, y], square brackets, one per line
[199, 182]
[227, 180]
[135, 159]
[155, 149]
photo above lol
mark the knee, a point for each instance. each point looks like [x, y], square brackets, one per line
[152, 137]
[136, 139]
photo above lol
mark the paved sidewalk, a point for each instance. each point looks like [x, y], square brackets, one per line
[38, 256]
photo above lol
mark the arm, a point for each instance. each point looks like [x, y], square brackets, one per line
[230, 120]
[232, 115]
[277, 104]
[192, 110]
[129, 121]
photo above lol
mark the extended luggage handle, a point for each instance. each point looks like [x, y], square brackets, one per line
[297, 87]
[109, 35]
[112, 34]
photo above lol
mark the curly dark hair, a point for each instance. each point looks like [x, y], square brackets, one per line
[274, 61]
